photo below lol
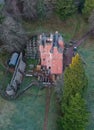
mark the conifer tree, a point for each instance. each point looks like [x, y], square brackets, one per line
[75, 114]
[78, 71]
[65, 8]
[73, 106]
[75, 79]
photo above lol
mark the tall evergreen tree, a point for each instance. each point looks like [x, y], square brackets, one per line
[75, 79]
[75, 114]
[73, 105]
[78, 71]
[65, 8]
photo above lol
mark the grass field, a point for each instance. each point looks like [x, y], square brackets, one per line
[28, 111]
[87, 51]
[25, 113]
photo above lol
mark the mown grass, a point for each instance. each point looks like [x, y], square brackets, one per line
[25, 113]
[87, 52]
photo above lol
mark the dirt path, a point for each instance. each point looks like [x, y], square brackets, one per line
[70, 51]
[48, 98]
[83, 38]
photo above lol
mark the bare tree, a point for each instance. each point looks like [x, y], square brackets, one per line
[12, 35]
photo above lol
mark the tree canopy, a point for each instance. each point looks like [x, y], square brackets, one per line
[65, 8]
[75, 79]
[75, 114]
[88, 7]
[73, 106]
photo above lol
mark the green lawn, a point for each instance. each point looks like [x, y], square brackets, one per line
[87, 52]
[25, 113]
[28, 111]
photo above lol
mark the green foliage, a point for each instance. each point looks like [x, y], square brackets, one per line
[41, 9]
[75, 79]
[88, 7]
[65, 8]
[73, 105]
[80, 5]
[75, 114]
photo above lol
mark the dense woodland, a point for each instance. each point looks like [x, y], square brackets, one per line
[73, 114]
[12, 13]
